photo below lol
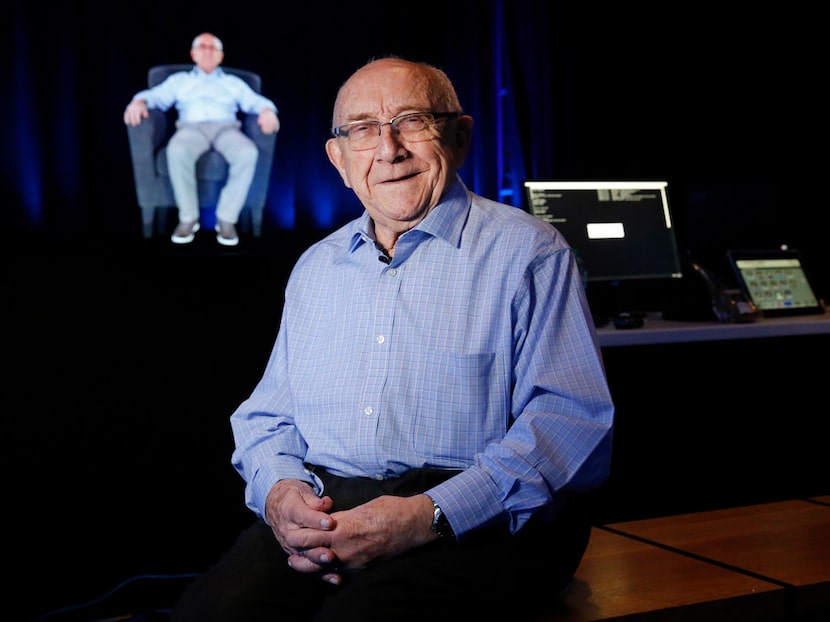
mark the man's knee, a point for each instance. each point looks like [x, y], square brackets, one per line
[245, 155]
[182, 151]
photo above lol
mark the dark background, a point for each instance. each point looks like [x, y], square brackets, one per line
[722, 104]
[126, 356]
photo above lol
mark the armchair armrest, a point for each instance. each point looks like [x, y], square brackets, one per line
[264, 142]
[266, 145]
[145, 139]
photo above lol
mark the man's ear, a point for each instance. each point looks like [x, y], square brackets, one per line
[463, 136]
[336, 158]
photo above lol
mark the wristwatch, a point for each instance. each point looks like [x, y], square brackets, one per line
[440, 525]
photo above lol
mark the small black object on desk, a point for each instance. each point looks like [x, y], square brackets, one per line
[626, 320]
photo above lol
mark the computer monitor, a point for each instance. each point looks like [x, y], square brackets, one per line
[623, 230]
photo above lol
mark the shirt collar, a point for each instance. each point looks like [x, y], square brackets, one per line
[445, 221]
[216, 72]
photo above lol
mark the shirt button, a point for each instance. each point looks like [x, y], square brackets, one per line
[380, 338]
[368, 410]
[391, 272]
[378, 477]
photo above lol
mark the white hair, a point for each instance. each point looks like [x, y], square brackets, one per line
[216, 41]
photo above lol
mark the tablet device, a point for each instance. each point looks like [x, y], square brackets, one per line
[776, 280]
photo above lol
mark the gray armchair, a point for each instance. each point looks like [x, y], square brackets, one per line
[149, 157]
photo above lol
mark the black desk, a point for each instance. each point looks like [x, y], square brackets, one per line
[657, 330]
[714, 415]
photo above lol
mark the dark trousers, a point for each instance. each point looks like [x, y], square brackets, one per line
[491, 571]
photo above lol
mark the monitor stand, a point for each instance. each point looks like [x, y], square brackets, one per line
[609, 299]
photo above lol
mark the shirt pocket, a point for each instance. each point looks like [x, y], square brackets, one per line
[462, 406]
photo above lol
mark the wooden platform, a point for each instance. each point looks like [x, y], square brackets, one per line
[759, 563]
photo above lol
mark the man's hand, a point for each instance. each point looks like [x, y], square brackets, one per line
[329, 544]
[381, 528]
[298, 517]
[135, 112]
[268, 121]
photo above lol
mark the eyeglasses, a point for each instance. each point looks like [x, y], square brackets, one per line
[205, 46]
[412, 126]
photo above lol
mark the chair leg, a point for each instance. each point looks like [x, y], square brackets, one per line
[256, 220]
[148, 219]
[244, 222]
[162, 220]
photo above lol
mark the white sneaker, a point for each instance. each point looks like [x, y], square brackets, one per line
[226, 234]
[185, 232]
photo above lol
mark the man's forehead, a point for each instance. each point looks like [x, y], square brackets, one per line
[366, 98]
[384, 108]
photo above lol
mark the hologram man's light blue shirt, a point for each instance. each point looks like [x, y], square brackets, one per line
[473, 349]
[200, 96]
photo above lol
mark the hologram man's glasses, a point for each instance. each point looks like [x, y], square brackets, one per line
[412, 126]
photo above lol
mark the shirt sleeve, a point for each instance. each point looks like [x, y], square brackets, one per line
[559, 442]
[268, 444]
[163, 96]
[248, 99]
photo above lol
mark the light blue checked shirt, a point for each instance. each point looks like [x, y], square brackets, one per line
[200, 96]
[473, 349]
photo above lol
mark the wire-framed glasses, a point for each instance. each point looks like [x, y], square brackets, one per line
[411, 126]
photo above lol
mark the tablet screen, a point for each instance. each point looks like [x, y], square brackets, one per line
[776, 281]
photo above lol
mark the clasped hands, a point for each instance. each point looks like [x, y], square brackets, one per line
[332, 544]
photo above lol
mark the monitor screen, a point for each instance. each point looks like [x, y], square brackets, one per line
[622, 229]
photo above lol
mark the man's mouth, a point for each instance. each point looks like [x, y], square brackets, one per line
[404, 178]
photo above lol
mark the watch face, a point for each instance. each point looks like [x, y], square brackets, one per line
[443, 527]
[440, 524]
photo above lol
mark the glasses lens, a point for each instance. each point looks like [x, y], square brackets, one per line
[413, 127]
[362, 135]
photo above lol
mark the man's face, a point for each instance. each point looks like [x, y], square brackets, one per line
[398, 181]
[206, 54]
